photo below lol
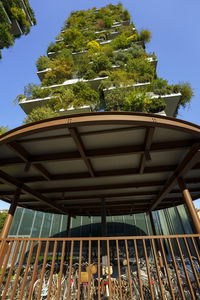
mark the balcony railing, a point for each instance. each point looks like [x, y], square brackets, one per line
[147, 267]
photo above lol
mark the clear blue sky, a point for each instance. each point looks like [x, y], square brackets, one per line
[174, 25]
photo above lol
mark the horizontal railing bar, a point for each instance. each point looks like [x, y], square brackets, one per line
[105, 238]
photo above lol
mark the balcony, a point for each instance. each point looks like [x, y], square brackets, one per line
[138, 267]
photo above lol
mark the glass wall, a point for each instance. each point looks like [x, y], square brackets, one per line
[28, 223]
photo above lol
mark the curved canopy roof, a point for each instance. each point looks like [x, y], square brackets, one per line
[132, 160]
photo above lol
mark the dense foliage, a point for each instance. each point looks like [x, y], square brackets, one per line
[105, 55]
[40, 113]
[14, 11]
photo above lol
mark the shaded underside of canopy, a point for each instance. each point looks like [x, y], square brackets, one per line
[69, 164]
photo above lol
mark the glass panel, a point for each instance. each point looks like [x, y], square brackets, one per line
[86, 229]
[27, 222]
[16, 220]
[96, 226]
[56, 224]
[46, 225]
[149, 224]
[64, 225]
[185, 219]
[37, 224]
[76, 226]
[141, 228]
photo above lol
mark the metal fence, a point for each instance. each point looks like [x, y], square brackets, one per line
[148, 267]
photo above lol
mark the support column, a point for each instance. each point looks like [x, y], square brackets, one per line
[8, 221]
[188, 200]
[156, 241]
[68, 225]
[104, 233]
[7, 224]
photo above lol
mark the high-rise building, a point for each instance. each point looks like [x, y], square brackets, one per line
[16, 18]
[99, 63]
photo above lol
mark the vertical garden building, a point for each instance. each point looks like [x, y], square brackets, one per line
[16, 18]
[97, 63]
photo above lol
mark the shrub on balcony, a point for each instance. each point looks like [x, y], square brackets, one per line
[61, 70]
[40, 113]
[122, 56]
[20, 16]
[108, 22]
[124, 40]
[107, 50]
[140, 101]
[33, 91]
[6, 37]
[89, 74]
[104, 73]
[78, 95]
[82, 64]
[55, 47]
[62, 98]
[114, 100]
[145, 35]
[100, 63]
[3, 16]
[141, 69]
[84, 94]
[125, 15]
[42, 63]
[93, 47]
[117, 78]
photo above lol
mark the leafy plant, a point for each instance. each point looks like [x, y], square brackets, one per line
[114, 100]
[108, 22]
[84, 94]
[20, 16]
[33, 91]
[42, 63]
[100, 63]
[3, 16]
[89, 74]
[61, 70]
[104, 73]
[62, 98]
[40, 113]
[93, 47]
[6, 37]
[125, 15]
[145, 35]
[54, 47]
[3, 129]
[140, 101]
[141, 68]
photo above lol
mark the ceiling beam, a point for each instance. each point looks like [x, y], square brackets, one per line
[194, 180]
[6, 178]
[106, 173]
[146, 155]
[77, 139]
[26, 157]
[95, 153]
[191, 159]
[102, 187]
[86, 133]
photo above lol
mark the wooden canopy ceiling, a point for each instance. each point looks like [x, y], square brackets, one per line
[132, 160]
